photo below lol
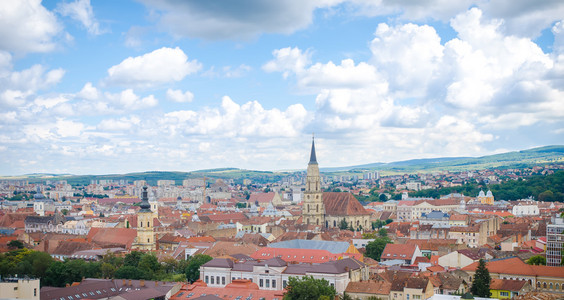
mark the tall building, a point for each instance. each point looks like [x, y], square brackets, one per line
[313, 209]
[554, 241]
[329, 209]
[145, 234]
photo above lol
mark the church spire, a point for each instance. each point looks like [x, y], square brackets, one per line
[312, 157]
[145, 205]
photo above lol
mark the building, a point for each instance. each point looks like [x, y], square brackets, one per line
[554, 242]
[542, 278]
[19, 288]
[509, 289]
[407, 253]
[238, 289]
[145, 220]
[329, 209]
[487, 198]
[274, 273]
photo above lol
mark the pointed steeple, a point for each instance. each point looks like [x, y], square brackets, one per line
[312, 157]
[145, 205]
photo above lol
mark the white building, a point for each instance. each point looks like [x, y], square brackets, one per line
[526, 207]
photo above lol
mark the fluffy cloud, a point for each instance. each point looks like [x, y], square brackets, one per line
[81, 11]
[27, 26]
[160, 66]
[233, 120]
[179, 96]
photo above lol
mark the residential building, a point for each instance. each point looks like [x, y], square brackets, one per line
[406, 252]
[19, 288]
[508, 289]
[274, 273]
[555, 242]
[411, 288]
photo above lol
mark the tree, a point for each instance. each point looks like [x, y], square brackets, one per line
[132, 259]
[481, 284]
[343, 225]
[537, 260]
[129, 272]
[383, 232]
[375, 248]
[193, 268]
[383, 197]
[308, 288]
[149, 265]
[15, 244]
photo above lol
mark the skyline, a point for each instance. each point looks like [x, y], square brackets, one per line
[101, 87]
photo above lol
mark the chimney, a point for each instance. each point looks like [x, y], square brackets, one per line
[123, 283]
[129, 282]
[156, 283]
[142, 282]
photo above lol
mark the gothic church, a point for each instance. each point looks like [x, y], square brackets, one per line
[328, 209]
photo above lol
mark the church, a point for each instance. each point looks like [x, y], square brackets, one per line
[328, 209]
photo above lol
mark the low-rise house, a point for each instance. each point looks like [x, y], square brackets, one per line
[508, 289]
[19, 288]
[411, 288]
[406, 253]
[363, 290]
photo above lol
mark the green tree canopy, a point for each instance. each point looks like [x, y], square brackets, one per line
[481, 283]
[537, 260]
[193, 268]
[375, 248]
[308, 288]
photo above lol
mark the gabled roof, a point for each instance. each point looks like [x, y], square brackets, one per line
[399, 251]
[516, 266]
[342, 204]
[507, 284]
[369, 287]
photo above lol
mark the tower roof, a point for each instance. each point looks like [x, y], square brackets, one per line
[312, 157]
[145, 206]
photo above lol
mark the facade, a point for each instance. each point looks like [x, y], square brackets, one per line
[525, 208]
[554, 242]
[44, 224]
[329, 209]
[19, 288]
[274, 273]
[145, 234]
[487, 198]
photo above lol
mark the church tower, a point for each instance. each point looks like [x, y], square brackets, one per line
[145, 234]
[313, 210]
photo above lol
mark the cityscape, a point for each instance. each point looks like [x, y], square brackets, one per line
[270, 150]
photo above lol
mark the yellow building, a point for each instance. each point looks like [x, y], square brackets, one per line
[508, 289]
[18, 288]
[487, 198]
[145, 234]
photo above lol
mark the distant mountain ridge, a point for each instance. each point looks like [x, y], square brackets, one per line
[515, 159]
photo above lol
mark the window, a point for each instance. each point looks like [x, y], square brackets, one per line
[217, 279]
[140, 224]
[212, 280]
[417, 297]
[260, 282]
[273, 283]
[550, 285]
[407, 296]
[35, 292]
[504, 294]
[207, 279]
[268, 283]
[284, 284]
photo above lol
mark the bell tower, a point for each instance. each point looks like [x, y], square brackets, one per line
[313, 210]
[145, 233]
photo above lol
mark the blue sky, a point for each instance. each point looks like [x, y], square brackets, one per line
[125, 86]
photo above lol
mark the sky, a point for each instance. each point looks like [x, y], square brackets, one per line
[112, 87]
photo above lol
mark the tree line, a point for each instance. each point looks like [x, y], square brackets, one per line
[540, 187]
[135, 265]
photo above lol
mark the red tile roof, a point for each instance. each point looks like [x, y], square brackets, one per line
[516, 266]
[340, 204]
[398, 251]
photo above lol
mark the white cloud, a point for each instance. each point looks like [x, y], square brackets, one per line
[35, 78]
[288, 59]
[26, 26]
[160, 66]
[88, 92]
[81, 11]
[121, 124]
[128, 100]
[179, 96]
